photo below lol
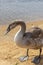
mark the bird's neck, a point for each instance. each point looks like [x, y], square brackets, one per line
[22, 28]
[21, 31]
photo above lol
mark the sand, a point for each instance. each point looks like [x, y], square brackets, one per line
[10, 52]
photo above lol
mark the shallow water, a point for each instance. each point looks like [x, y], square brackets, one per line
[27, 10]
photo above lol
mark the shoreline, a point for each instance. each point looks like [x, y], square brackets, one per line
[35, 21]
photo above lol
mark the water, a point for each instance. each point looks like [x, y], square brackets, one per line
[27, 10]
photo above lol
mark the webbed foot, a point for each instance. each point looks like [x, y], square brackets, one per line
[36, 60]
[23, 58]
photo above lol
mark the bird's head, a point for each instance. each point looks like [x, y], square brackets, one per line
[13, 25]
[10, 27]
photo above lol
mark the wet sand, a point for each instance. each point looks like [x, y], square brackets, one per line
[9, 52]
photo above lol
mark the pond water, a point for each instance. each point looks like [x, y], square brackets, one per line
[27, 10]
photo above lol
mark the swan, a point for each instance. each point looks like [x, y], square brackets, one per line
[30, 40]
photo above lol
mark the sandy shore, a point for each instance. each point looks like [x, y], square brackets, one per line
[9, 52]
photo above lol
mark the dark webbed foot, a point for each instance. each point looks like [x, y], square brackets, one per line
[36, 60]
[23, 58]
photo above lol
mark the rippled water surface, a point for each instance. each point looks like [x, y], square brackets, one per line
[27, 10]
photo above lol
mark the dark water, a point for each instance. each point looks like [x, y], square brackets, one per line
[27, 10]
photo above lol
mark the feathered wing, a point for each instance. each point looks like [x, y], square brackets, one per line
[33, 38]
[34, 33]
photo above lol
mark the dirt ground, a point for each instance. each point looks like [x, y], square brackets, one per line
[10, 52]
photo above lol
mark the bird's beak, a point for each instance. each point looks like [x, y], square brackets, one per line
[6, 32]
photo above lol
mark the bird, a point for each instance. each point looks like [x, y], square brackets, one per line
[32, 39]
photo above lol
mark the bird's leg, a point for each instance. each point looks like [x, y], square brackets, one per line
[24, 58]
[37, 59]
[27, 52]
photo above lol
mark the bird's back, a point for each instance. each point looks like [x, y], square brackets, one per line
[34, 38]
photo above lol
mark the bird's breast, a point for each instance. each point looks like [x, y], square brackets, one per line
[28, 43]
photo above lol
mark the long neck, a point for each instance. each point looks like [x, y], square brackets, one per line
[23, 27]
[21, 32]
